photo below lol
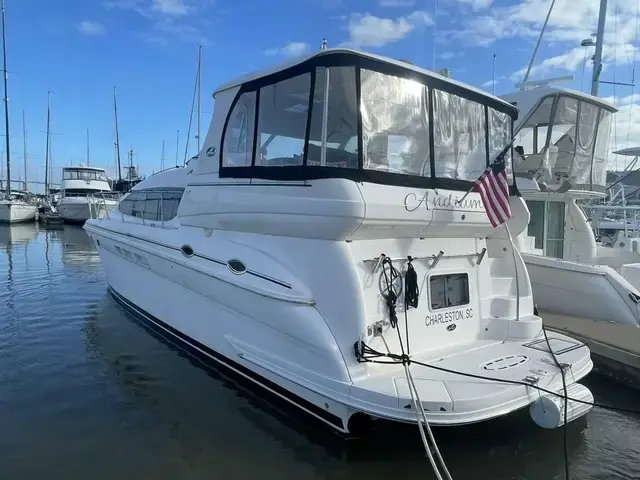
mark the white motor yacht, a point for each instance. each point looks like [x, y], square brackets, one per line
[565, 137]
[17, 207]
[85, 193]
[321, 225]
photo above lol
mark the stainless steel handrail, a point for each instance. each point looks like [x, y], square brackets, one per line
[435, 259]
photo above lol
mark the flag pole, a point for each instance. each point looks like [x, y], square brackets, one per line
[515, 268]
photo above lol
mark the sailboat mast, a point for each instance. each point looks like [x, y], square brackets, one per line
[46, 162]
[88, 152]
[597, 59]
[6, 99]
[199, 90]
[162, 157]
[24, 148]
[115, 110]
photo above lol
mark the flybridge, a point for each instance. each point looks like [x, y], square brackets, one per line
[345, 114]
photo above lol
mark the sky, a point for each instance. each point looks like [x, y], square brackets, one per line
[147, 50]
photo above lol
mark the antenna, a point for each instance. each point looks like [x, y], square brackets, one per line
[324, 44]
[493, 75]
[162, 157]
[196, 94]
[6, 99]
[199, 91]
[88, 157]
[535, 50]
[24, 151]
[117, 142]
[435, 24]
[177, 146]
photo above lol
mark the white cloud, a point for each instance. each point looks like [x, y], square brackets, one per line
[625, 130]
[370, 31]
[450, 55]
[476, 4]
[88, 27]
[169, 7]
[573, 59]
[292, 49]
[396, 3]
[170, 20]
[570, 21]
[489, 83]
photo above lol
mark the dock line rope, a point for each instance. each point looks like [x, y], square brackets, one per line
[365, 354]
[411, 283]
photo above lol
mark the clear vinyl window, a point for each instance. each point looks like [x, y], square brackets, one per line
[282, 122]
[238, 139]
[395, 124]
[459, 137]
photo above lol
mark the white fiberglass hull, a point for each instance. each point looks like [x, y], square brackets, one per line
[80, 209]
[595, 292]
[251, 329]
[17, 212]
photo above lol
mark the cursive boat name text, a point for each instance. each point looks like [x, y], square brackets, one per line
[438, 201]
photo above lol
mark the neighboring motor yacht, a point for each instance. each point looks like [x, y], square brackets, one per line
[323, 221]
[565, 137]
[85, 193]
[17, 207]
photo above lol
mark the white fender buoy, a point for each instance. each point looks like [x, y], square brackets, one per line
[548, 410]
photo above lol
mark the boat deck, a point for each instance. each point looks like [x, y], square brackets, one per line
[615, 348]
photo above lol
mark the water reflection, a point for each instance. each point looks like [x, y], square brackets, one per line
[77, 247]
[17, 233]
[89, 393]
[200, 407]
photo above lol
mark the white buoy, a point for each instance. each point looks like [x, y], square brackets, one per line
[548, 410]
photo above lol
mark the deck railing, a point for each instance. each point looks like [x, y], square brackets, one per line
[98, 200]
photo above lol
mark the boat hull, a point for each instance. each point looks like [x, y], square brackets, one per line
[77, 210]
[595, 292]
[223, 323]
[17, 212]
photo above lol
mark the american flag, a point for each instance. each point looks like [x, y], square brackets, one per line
[493, 188]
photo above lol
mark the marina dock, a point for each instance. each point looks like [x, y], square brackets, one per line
[615, 349]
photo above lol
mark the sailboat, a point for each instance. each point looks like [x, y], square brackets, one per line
[122, 185]
[15, 206]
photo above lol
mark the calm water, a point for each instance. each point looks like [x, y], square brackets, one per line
[85, 392]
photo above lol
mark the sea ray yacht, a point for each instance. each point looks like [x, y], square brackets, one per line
[324, 219]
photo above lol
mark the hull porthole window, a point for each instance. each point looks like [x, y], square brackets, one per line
[186, 250]
[236, 266]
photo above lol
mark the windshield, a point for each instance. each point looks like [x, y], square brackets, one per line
[565, 138]
[84, 174]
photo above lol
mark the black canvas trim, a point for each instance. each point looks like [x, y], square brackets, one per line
[352, 59]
